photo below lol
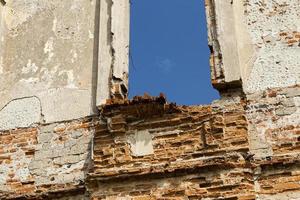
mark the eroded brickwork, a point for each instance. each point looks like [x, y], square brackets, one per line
[36, 162]
[274, 139]
[240, 147]
[245, 146]
[195, 152]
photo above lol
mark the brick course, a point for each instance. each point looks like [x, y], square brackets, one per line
[237, 148]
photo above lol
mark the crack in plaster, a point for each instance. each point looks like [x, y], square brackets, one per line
[22, 116]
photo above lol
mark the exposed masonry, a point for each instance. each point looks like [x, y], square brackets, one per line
[47, 158]
[244, 146]
[236, 148]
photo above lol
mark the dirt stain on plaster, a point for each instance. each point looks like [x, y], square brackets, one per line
[3, 2]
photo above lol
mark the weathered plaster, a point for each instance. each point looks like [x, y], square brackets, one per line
[274, 27]
[60, 156]
[20, 113]
[105, 52]
[40, 41]
[53, 154]
[227, 39]
[58, 102]
[113, 50]
[57, 50]
[255, 43]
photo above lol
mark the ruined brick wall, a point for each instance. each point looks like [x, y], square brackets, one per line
[244, 146]
[45, 159]
[159, 151]
[274, 130]
[236, 148]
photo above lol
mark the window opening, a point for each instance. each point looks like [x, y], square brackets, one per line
[169, 51]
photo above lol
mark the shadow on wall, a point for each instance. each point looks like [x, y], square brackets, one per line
[169, 51]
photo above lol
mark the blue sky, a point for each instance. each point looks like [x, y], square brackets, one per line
[169, 51]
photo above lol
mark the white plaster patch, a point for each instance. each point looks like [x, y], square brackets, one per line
[277, 64]
[16, 13]
[274, 68]
[30, 67]
[54, 24]
[48, 76]
[141, 143]
[48, 49]
[71, 83]
[30, 80]
[91, 35]
[21, 112]
[74, 56]
[22, 173]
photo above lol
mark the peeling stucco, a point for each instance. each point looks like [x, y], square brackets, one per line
[258, 42]
[57, 55]
[113, 50]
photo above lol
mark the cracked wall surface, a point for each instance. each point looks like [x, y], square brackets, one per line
[240, 147]
[57, 67]
[53, 50]
[20, 113]
[254, 43]
[113, 50]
